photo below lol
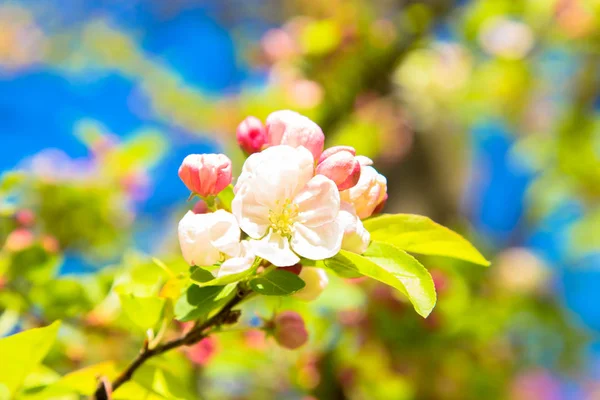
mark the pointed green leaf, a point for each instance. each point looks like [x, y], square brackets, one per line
[392, 266]
[22, 353]
[144, 312]
[277, 283]
[419, 234]
[199, 301]
[200, 275]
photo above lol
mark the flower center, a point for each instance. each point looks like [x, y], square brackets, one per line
[283, 217]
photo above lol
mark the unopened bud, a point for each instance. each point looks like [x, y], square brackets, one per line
[292, 129]
[206, 174]
[289, 330]
[251, 135]
[341, 166]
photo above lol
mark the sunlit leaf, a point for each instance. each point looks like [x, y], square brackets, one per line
[198, 301]
[226, 197]
[391, 266]
[144, 312]
[277, 283]
[419, 234]
[21, 353]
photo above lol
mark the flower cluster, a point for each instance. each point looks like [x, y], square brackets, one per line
[292, 201]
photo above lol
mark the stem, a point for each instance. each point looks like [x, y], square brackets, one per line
[224, 316]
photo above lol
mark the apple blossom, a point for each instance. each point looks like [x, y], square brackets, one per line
[356, 237]
[251, 135]
[292, 129]
[316, 281]
[205, 237]
[206, 174]
[341, 166]
[285, 210]
[368, 193]
[289, 330]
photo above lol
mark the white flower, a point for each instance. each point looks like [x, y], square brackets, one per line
[206, 239]
[285, 209]
[356, 237]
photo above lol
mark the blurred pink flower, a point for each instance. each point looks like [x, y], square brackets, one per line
[202, 352]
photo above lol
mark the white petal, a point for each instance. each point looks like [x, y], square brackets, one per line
[225, 233]
[194, 239]
[317, 243]
[252, 216]
[283, 172]
[238, 264]
[275, 249]
[318, 203]
[356, 237]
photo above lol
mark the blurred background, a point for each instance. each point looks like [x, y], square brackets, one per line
[483, 115]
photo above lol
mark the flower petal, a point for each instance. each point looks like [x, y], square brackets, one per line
[275, 249]
[282, 172]
[252, 215]
[194, 239]
[238, 264]
[225, 233]
[318, 203]
[317, 243]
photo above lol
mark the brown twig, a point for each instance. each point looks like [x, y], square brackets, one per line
[225, 316]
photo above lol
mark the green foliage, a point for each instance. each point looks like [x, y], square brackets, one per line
[143, 312]
[392, 266]
[205, 278]
[419, 234]
[277, 282]
[22, 353]
[198, 302]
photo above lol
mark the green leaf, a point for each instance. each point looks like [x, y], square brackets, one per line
[144, 312]
[199, 301]
[392, 266]
[200, 275]
[419, 234]
[22, 353]
[277, 283]
[226, 197]
[224, 280]
[83, 381]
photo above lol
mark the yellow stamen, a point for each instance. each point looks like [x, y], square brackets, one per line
[283, 217]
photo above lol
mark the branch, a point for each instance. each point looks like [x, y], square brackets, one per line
[225, 316]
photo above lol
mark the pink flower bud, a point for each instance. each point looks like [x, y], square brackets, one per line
[292, 129]
[200, 207]
[341, 166]
[289, 330]
[251, 135]
[336, 149]
[206, 174]
[25, 218]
